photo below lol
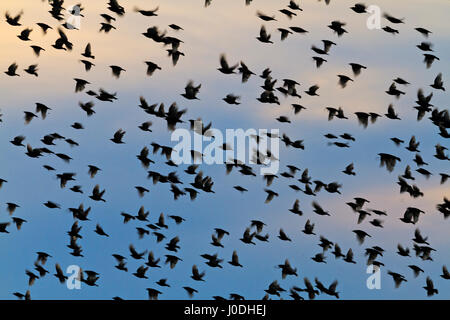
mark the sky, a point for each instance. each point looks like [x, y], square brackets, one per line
[231, 28]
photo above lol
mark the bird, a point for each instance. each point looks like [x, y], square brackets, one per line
[438, 83]
[153, 294]
[296, 208]
[232, 99]
[416, 270]
[264, 17]
[294, 6]
[99, 231]
[59, 274]
[245, 72]
[288, 13]
[25, 34]
[423, 31]
[97, 195]
[431, 290]
[319, 258]
[392, 19]
[13, 20]
[349, 170]
[116, 71]
[429, 59]
[401, 81]
[309, 228]
[147, 13]
[235, 260]
[80, 84]
[331, 290]
[26, 296]
[42, 109]
[361, 235]
[312, 91]
[175, 27]
[264, 37]
[118, 136]
[152, 67]
[37, 50]
[445, 275]
[224, 67]
[356, 68]
[393, 91]
[190, 291]
[18, 141]
[106, 27]
[287, 269]
[115, 7]
[140, 272]
[44, 27]
[359, 8]
[191, 91]
[162, 283]
[88, 52]
[298, 30]
[391, 113]
[425, 46]
[343, 80]
[402, 251]
[398, 278]
[202, 193]
[12, 70]
[270, 195]
[284, 33]
[196, 275]
[282, 236]
[318, 209]
[312, 293]
[388, 160]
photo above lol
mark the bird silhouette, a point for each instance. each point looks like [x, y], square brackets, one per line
[170, 202]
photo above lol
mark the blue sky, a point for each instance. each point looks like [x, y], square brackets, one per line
[228, 28]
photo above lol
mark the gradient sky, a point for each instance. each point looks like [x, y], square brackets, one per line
[227, 27]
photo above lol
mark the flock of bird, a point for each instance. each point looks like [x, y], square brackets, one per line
[197, 183]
